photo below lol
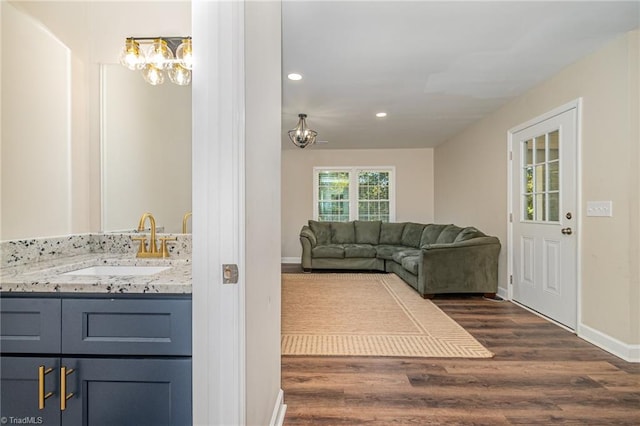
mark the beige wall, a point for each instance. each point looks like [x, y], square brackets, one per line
[262, 206]
[471, 179]
[36, 130]
[414, 185]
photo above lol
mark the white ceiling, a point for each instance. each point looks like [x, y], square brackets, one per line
[434, 67]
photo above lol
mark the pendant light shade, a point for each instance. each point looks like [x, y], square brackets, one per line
[184, 54]
[302, 136]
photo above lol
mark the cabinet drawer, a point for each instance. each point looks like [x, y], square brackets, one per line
[126, 327]
[29, 325]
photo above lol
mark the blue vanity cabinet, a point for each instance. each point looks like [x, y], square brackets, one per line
[118, 360]
[136, 392]
[19, 390]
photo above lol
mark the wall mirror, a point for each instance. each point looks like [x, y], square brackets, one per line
[146, 150]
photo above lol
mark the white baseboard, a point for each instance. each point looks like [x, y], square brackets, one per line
[503, 293]
[291, 260]
[277, 418]
[629, 353]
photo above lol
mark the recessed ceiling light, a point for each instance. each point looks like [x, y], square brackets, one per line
[381, 114]
[294, 76]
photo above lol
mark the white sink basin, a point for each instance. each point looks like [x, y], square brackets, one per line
[114, 270]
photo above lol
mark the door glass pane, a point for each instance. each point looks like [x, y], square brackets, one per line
[554, 181]
[528, 148]
[540, 150]
[528, 180]
[554, 141]
[528, 207]
[541, 179]
[554, 207]
[539, 207]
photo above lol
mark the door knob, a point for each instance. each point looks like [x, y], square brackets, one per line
[566, 231]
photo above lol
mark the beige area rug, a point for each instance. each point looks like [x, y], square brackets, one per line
[367, 315]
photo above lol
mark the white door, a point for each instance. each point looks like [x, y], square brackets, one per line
[544, 217]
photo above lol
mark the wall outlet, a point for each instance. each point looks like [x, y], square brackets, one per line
[600, 208]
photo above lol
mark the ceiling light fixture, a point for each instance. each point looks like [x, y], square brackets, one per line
[294, 76]
[302, 136]
[158, 57]
[381, 114]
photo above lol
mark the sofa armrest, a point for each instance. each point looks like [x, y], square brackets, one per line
[307, 233]
[308, 241]
[464, 267]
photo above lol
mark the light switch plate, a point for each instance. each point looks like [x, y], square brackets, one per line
[600, 208]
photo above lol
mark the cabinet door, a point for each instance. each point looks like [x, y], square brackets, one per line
[123, 392]
[20, 390]
[126, 327]
[29, 325]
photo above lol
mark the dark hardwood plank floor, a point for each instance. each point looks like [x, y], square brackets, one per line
[541, 374]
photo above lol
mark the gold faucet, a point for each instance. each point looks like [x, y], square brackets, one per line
[185, 218]
[153, 246]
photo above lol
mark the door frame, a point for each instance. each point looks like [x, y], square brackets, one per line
[218, 158]
[577, 105]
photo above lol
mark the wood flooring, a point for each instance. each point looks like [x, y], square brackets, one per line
[541, 374]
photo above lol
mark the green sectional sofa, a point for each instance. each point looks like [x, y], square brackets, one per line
[432, 258]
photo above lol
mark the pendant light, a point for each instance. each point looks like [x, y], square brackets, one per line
[302, 136]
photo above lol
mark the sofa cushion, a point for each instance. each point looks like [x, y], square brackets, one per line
[322, 230]
[431, 233]
[359, 250]
[401, 254]
[387, 251]
[411, 234]
[468, 233]
[343, 233]
[448, 235]
[410, 263]
[367, 232]
[334, 251]
[391, 233]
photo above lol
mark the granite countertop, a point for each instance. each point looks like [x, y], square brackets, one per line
[47, 276]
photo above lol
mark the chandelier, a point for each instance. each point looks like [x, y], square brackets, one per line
[170, 55]
[302, 135]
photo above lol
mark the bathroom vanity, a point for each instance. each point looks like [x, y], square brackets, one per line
[82, 347]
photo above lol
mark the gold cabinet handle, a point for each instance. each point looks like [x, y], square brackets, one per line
[64, 372]
[42, 371]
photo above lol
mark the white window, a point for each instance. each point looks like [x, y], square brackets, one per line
[354, 193]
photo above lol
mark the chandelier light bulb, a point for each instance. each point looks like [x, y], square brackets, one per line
[179, 75]
[153, 75]
[184, 54]
[131, 56]
[159, 54]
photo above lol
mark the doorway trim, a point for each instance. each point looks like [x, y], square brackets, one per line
[577, 105]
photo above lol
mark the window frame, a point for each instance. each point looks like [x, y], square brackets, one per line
[354, 172]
